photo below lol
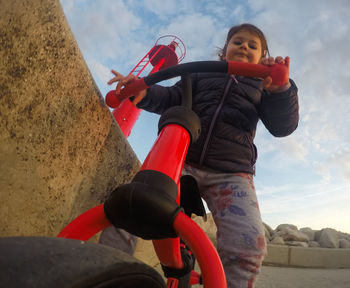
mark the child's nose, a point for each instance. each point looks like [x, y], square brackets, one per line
[244, 45]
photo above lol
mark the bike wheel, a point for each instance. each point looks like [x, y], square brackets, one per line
[59, 262]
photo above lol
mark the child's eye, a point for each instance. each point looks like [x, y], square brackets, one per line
[237, 42]
[253, 46]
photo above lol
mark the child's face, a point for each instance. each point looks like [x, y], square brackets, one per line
[244, 47]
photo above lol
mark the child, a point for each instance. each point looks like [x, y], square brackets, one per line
[222, 160]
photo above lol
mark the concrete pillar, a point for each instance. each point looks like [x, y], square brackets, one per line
[61, 152]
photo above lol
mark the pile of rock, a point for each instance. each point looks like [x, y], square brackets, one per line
[287, 234]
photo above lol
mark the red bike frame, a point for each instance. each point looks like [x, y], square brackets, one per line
[167, 156]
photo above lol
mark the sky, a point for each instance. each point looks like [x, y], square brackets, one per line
[302, 179]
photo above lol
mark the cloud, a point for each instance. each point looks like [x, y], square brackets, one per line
[101, 73]
[101, 26]
[199, 33]
[316, 35]
[220, 9]
[68, 6]
[291, 146]
[340, 162]
[164, 9]
[322, 169]
[315, 205]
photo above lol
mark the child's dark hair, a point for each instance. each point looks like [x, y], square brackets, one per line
[252, 29]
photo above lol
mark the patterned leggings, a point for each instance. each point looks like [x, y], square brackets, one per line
[231, 198]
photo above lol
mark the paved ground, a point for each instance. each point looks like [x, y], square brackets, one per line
[277, 277]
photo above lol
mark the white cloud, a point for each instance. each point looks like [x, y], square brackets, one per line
[101, 27]
[340, 162]
[199, 33]
[313, 45]
[68, 6]
[317, 206]
[292, 147]
[316, 35]
[101, 72]
[164, 9]
[322, 169]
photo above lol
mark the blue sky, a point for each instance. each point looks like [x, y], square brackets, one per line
[302, 179]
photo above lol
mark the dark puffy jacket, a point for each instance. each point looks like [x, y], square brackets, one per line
[229, 109]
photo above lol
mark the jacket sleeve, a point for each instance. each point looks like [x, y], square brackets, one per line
[159, 98]
[280, 111]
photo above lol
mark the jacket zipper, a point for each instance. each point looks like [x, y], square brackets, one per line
[216, 114]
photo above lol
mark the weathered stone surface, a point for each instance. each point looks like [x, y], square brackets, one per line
[344, 243]
[277, 240]
[314, 244]
[61, 152]
[289, 234]
[328, 238]
[268, 232]
[342, 235]
[297, 243]
[208, 226]
[145, 252]
[309, 232]
[282, 227]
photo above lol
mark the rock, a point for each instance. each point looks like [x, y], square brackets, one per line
[328, 238]
[269, 229]
[268, 232]
[283, 226]
[145, 252]
[208, 226]
[288, 234]
[314, 244]
[342, 235]
[297, 243]
[309, 232]
[277, 240]
[317, 235]
[344, 243]
[267, 235]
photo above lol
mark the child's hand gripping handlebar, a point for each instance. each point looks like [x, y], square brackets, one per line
[278, 72]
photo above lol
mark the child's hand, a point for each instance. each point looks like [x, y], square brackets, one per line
[122, 81]
[268, 80]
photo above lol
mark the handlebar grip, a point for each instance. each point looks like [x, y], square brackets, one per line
[113, 99]
[133, 88]
[278, 72]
